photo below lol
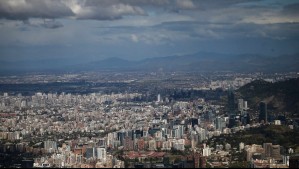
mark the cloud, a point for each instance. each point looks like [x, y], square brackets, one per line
[115, 11]
[25, 9]
[45, 23]
[141, 3]
[51, 24]
[134, 38]
[185, 4]
[104, 9]
[85, 9]
[216, 4]
[291, 9]
[89, 9]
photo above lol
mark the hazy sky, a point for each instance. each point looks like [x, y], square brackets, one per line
[87, 30]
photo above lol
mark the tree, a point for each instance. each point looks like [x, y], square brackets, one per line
[166, 160]
[177, 160]
[126, 162]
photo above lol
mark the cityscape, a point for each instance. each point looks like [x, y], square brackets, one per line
[187, 126]
[149, 84]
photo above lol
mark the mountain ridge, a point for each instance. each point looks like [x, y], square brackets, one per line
[199, 61]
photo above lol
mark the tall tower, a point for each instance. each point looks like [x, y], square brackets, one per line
[231, 102]
[263, 112]
[159, 98]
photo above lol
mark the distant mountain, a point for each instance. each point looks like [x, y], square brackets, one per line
[106, 64]
[204, 61]
[200, 61]
[281, 96]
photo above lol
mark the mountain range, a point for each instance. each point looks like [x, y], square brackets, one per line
[200, 61]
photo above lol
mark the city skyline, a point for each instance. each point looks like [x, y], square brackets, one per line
[189, 121]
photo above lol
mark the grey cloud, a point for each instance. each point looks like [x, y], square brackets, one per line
[141, 3]
[87, 9]
[51, 24]
[291, 9]
[110, 12]
[177, 4]
[148, 2]
[115, 9]
[105, 3]
[186, 4]
[108, 9]
[216, 4]
[25, 9]
[208, 30]
[279, 31]
[46, 23]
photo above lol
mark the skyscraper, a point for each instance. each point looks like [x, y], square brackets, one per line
[245, 105]
[90, 152]
[240, 105]
[231, 102]
[263, 112]
[159, 98]
[219, 123]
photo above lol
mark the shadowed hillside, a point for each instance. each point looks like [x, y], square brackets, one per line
[280, 96]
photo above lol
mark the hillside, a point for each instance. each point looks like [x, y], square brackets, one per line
[281, 135]
[281, 96]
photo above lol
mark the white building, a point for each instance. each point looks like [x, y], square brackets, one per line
[101, 154]
[241, 146]
[206, 152]
[277, 122]
[159, 98]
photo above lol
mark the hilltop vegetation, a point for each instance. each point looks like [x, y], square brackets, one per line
[281, 96]
[281, 135]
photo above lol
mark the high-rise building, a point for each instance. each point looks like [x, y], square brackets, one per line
[275, 153]
[50, 146]
[245, 105]
[231, 102]
[263, 112]
[90, 152]
[232, 121]
[159, 98]
[267, 149]
[101, 154]
[219, 123]
[121, 137]
[194, 121]
[247, 118]
[240, 104]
